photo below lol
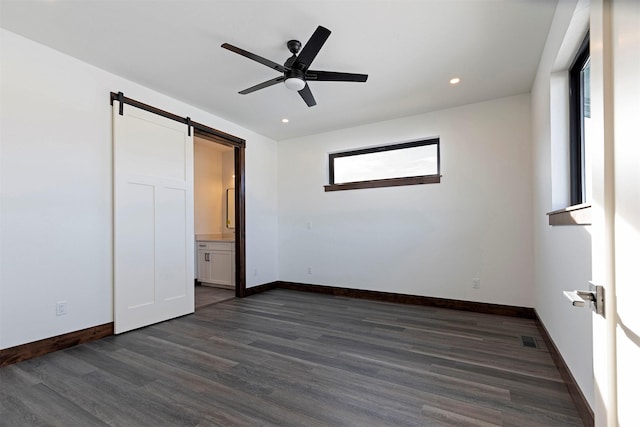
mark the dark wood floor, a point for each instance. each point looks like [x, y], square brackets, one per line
[290, 358]
[207, 295]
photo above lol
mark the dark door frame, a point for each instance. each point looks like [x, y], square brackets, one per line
[238, 156]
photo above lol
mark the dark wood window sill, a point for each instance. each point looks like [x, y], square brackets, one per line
[393, 182]
[573, 215]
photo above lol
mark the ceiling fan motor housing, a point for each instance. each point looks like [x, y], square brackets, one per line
[294, 73]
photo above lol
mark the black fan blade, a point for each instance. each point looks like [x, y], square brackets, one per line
[255, 57]
[332, 76]
[306, 94]
[311, 49]
[262, 85]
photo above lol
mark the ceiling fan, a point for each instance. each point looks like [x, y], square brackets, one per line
[295, 71]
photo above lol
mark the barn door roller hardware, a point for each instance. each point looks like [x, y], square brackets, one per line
[121, 101]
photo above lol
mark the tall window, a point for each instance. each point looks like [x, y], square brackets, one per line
[580, 117]
[408, 163]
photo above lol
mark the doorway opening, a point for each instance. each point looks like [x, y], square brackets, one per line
[218, 219]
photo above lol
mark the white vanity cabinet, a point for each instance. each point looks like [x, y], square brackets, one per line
[217, 263]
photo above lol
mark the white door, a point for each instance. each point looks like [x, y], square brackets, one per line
[615, 90]
[153, 219]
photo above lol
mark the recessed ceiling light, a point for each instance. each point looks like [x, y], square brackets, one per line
[454, 81]
[285, 120]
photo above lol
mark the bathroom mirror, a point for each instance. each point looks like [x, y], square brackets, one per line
[231, 208]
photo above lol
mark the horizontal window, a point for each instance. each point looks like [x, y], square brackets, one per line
[408, 163]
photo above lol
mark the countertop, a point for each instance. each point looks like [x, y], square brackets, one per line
[215, 237]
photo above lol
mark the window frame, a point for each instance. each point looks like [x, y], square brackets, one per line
[386, 182]
[576, 125]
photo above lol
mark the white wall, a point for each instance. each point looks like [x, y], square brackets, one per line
[427, 240]
[562, 253]
[261, 196]
[207, 188]
[213, 175]
[55, 182]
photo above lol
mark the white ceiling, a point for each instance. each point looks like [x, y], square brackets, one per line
[410, 49]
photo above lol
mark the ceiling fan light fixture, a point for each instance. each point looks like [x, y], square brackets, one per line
[295, 83]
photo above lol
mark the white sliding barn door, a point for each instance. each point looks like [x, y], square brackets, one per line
[153, 219]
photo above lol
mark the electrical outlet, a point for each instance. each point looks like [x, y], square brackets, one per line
[61, 308]
[308, 270]
[309, 225]
[255, 271]
[475, 283]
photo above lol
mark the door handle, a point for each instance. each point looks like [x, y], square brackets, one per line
[579, 298]
[206, 257]
[594, 297]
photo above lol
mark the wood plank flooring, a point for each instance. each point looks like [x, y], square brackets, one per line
[287, 358]
[207, 295]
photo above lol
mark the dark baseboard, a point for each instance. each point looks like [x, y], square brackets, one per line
[260, 288]
[22, 352]
[478, 307]
[582, 405]
[30, 350]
